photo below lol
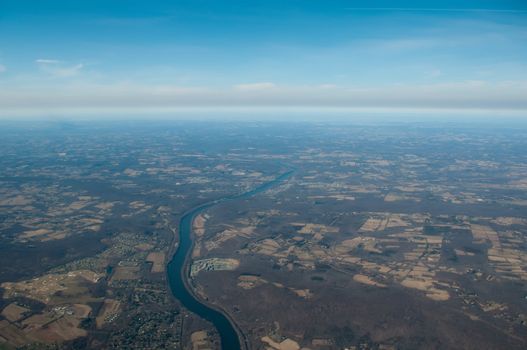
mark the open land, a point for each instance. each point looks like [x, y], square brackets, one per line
[384, 237]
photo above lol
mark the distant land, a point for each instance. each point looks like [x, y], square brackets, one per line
[298, 235]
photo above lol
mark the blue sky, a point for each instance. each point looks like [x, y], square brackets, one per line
[157, 56]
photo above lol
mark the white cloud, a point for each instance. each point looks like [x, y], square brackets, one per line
[46, 61]
[255, 86]
[455, 96]
[2, 68]
[58, 68]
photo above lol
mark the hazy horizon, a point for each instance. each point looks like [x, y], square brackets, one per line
[133, 58]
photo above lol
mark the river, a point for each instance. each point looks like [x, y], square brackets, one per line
[178, 272]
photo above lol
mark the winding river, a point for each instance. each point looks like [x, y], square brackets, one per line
[178, 272]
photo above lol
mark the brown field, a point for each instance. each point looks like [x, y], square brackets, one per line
[77, 205]
[367, 280]
[196, 252]
[34, 233]
[426, 285]
[228, 234]
[67, 328]
[39, 320]
[110, 307]
[392, 197]
[316, 228]
[200, 341]
[59, 324]
[396, 221]
[125, 273]
[45, 288]
[199, 225]
[105, 205]
[368, 243]
[81, 310]
[249, 281]
[12, 334]
[267, 247]
[374, 224]
[62, 329]
[14, 312]
[482, 234]
[287, 344]
[302, 293]
[144, 246]
[158, 261]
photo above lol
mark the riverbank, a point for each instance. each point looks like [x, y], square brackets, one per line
[178, 269]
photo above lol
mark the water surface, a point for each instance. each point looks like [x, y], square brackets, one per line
[177, 269]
